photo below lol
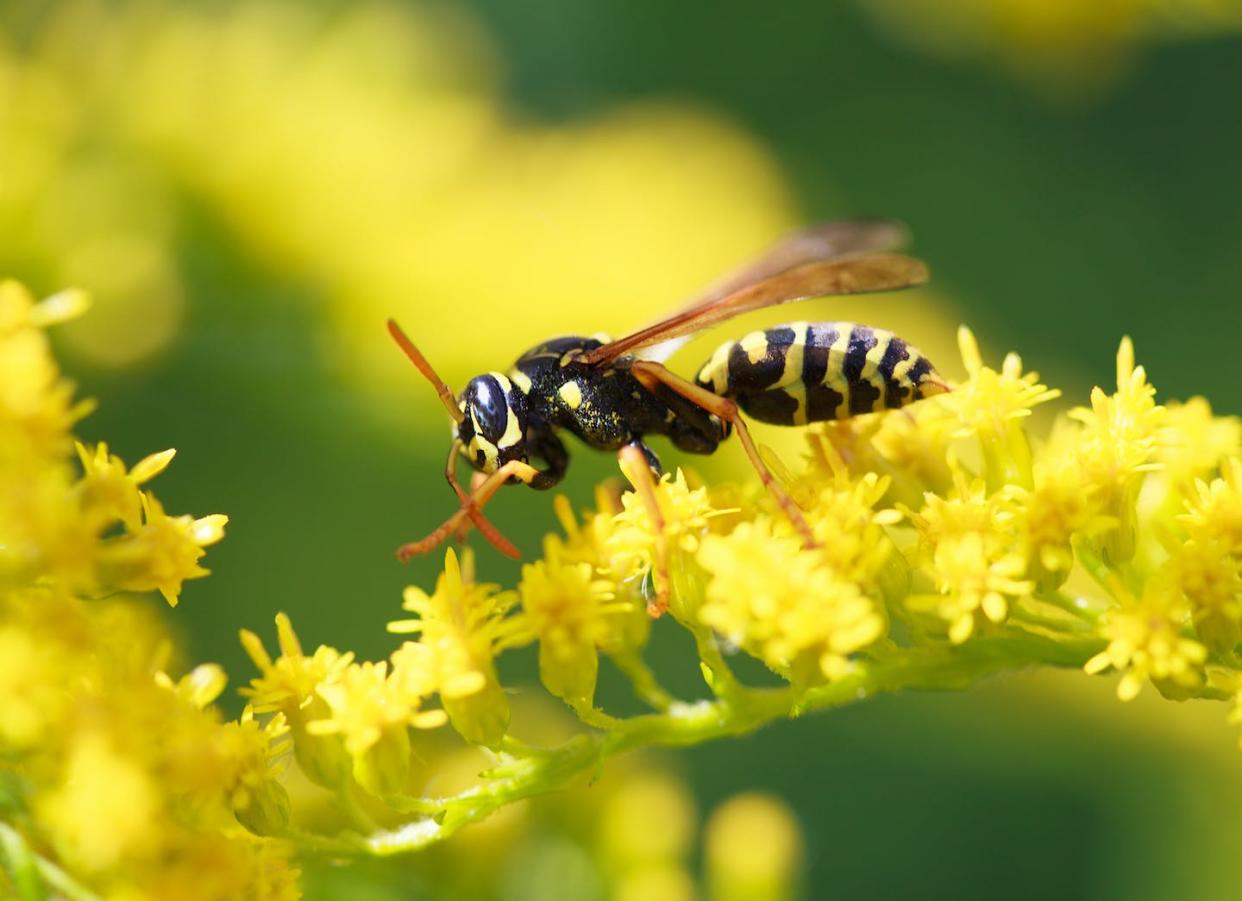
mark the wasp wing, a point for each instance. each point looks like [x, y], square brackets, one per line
[825, 241]
[860, 274]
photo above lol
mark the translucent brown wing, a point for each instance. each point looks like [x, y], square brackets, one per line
[831, 259]
[825, 241]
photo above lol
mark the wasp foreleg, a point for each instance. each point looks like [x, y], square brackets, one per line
[472, 508]
[652, 374]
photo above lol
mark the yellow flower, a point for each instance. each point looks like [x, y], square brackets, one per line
[372, 710]
[163, 553]
[631, 544]
[1210, 578]
[915, 448]
[783, 603]
[1048, 516]
[105, 808]
[1145, 641]
[30, 674]
[1214, 512]
[36, 406]
[850, 531]
[1118, 445]
[991, 405]
[969, 547]
[573, 615]
[464, 625]
[1192, 442]
[289, 685]
[109, 493]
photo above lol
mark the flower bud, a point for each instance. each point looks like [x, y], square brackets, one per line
[266, 809]
[382, 769]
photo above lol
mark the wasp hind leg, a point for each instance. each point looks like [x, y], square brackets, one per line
[642, 467]
[653, 374]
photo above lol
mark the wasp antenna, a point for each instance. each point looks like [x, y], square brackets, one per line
[417, 358]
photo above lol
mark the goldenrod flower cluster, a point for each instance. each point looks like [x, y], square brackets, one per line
[953, 539]
[115, 777]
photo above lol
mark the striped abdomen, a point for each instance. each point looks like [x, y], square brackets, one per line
[812, 372]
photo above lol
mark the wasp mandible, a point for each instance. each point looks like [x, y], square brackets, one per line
[613, 395]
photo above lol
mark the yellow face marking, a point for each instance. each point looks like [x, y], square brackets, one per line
[601, 337]
[513, 431]
[571, 393]
[491, 456]
[755, 345]
[521, 379]
[792, 373]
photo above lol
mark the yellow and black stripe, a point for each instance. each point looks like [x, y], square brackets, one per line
[814, 372]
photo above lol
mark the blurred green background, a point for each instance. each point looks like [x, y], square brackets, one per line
[250, 189]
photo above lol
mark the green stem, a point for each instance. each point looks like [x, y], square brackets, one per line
[646, 686]
[349, 804]
[1078, 607]
[739, 712]
[716, 671]
[32, 873]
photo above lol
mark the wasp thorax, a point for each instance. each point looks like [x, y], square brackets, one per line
[494, 430]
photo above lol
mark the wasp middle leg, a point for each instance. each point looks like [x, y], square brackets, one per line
[642, 468]
[653, 374]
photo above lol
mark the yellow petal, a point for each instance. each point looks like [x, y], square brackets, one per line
[149, 467]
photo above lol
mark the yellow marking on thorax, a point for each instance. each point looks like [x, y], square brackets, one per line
[755, 345]
[571, 393]
[521, 379]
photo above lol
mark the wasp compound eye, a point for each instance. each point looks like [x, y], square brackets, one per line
[487, 406]
[495, 427]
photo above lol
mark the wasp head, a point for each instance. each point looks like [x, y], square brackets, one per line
[493, 429]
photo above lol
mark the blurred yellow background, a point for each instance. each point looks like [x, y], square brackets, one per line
[249, 190]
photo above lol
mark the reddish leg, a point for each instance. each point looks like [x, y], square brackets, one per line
[652, 374]
[634, 465]
[472, 509]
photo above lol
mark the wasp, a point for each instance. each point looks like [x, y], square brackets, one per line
[614, 394]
